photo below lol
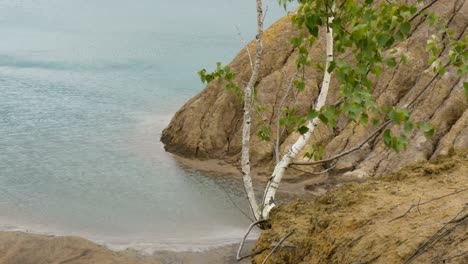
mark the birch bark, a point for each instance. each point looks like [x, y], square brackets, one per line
[245, 155]
[272, 185]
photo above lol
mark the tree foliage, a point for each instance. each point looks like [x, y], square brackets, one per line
[365, 37]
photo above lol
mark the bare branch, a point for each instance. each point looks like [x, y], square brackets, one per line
[234, 203]
[456, 256]
[315, 172]
[276, 247]
[375, 133]
[434, 239]
[246, 47]
[241, 245]
[264, 249]
[419, 204]
[278, 116]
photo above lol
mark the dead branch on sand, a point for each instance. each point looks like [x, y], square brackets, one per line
[441, 233]
[419, 204]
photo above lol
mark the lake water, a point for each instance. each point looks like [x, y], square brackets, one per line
[86, 87]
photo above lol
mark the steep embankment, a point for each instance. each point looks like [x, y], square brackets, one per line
[419, 212]
[209, 125]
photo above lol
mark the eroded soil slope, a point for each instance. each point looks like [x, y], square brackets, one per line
[419, 214]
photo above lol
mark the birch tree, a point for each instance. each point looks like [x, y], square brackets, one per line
[367, 32]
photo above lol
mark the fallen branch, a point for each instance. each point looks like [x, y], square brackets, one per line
[434, 239]
[277, 245]
[375, 133]
[459, 219]
[264, 249]
[419, 204]
[241, 245]
[456, 256]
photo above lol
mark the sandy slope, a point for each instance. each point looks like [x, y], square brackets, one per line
[368, 223]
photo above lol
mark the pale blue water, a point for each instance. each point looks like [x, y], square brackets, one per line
[86, 86]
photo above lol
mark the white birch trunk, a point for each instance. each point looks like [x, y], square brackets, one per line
[277, 175]
[245, 155]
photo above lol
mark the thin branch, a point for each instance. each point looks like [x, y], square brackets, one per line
[246, 47]
[241, 245]
[278, 113]
[276, 247]
[265, 13]
[432, 200]
[375, 133]
[422, 10]
[234, 203]
[315, 172]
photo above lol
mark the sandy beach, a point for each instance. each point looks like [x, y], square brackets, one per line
[28, 248]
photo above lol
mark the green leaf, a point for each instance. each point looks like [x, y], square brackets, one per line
[319, 151]
[375, 122]
[465, 86]
[405, 28]
[391, 63]
[428, 129]
[299, 84]
[331, 67]
[388, 138]
[323, 118]
[408, 126]
[303, 130]
[364, 119]
[312, 114]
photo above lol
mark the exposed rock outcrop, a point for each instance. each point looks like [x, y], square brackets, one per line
[209, 125]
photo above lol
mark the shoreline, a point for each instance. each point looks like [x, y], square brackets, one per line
[146, 247]
[29, 247]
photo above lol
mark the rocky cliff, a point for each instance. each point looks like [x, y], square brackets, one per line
[209, 125]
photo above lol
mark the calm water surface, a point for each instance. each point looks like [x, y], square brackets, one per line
[86, 86]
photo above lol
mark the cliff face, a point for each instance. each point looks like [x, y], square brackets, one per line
[209, 125]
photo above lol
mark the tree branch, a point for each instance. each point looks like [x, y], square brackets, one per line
[422, 10]
[375, 133]
[278, 118]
